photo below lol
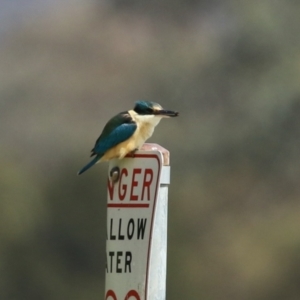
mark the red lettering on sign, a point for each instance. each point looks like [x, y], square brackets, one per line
[110, 186]
[132, 293]
[134, 183]
[143, 193]
[147, 182]
[123, 186]
[112, 294]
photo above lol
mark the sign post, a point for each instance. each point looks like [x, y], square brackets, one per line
[136, 244]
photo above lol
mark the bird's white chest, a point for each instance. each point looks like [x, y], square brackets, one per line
[145, 128]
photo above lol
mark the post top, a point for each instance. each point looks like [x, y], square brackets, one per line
[156, 147]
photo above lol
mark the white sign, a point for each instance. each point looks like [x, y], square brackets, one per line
[130, 216]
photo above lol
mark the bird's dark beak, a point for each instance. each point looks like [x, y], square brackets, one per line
[167, 113]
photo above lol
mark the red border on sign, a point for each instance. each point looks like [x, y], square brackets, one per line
[152, 217]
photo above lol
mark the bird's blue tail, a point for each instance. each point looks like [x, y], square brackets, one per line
[90, 164]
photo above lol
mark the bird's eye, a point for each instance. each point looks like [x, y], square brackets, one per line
[143, 110]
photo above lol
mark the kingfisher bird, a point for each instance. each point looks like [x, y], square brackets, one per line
[126, 132]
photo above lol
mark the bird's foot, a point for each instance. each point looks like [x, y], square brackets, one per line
[131, 153]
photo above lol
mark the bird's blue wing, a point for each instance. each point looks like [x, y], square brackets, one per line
[117, 130]
[116, 136]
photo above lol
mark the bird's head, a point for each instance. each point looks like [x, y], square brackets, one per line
[144, 108]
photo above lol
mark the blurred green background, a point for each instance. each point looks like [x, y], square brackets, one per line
[232, 70]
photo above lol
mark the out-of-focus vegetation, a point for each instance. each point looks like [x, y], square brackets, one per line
[232, 69]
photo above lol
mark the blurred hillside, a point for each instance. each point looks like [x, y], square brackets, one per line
[232, 70]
